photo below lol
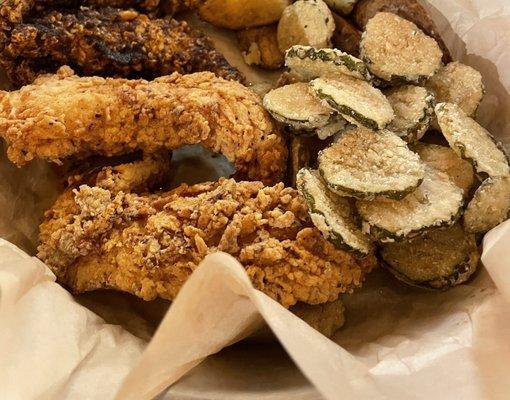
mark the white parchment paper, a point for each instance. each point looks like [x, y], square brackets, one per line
[398, 343]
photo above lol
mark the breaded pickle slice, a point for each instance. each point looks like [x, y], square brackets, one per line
[440, 259]
[437, 202]
[459, 84]
[356, 100]
[327, 318]
[297, 105]
[333, 215]
[367, 164]
[471, 141]
[413, 107]
[444, 159]
[310, 63]
[396, 50]
[489, 207]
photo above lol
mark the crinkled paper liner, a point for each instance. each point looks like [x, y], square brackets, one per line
[398, 343]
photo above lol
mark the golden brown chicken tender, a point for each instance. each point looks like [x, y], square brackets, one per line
[148, 245]
[63, 115]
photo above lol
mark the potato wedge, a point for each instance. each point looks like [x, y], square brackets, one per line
[236, 14]
[306, 22]
[411, 10]
[259, 47]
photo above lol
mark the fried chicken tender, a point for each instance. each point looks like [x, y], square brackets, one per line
[148, 245]
[108, 42]
[63, 115]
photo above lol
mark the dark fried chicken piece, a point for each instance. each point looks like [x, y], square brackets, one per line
[14, 10]
[107, 42]
[148, 245]
[144, 5]
[62, 115]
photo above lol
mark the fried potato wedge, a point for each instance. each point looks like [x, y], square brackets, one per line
[259, 47]
[235, 14]
[306, 22]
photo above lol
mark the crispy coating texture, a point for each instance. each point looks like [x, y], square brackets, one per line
[108, 42]
[12, 11]
[149, 245]
[63, 115]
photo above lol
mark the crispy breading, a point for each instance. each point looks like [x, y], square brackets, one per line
[63, 115]
[108, 42]
[149, 245]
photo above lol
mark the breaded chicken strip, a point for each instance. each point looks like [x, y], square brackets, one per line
[149, 245]
[63, 115]
[107, 42]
